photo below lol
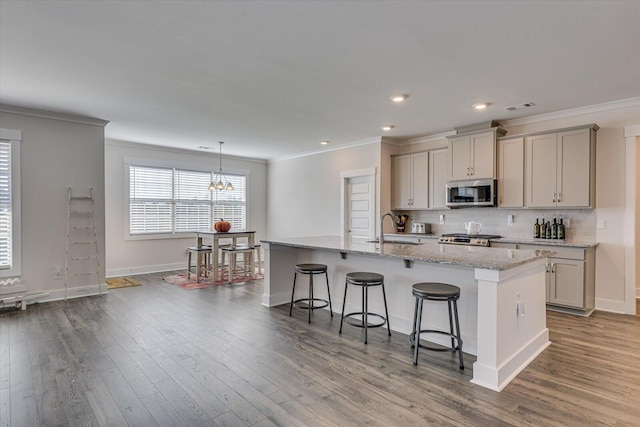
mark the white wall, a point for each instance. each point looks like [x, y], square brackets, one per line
[127, 256]
[57, 152]
[305, 192]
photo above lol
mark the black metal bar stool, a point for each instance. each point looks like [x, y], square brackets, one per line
[311, 269]
[436, 292]
[365, 280]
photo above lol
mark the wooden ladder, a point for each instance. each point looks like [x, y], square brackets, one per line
[82, 255]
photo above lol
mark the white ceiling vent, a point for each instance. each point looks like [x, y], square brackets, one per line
[520, 106]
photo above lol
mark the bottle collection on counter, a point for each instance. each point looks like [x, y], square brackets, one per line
[547, 230]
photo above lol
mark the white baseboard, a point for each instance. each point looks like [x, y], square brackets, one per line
[79, 292]
[158, 268]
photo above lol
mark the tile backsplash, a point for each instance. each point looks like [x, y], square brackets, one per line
[494, 221]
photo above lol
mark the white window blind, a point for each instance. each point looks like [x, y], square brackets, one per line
[6, 225]
[193, 200]
[165, 200]
[150, 200]
[232, 205]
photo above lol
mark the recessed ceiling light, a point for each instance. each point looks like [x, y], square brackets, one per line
[400, 97]
[324, 142]
[481, 105]
[387, 128]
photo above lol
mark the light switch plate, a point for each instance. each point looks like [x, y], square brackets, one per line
[566, 222]
[441, 218]
[510, 220]
[602, 223]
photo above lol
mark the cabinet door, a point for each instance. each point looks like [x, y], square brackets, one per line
[438, 173]
[566, 285]
[402, 182]
[540, 178]
[574, 159]
[483, 155]
[511, 173]
[420, 180]
[459, 161]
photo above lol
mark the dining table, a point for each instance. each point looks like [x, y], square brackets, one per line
[214, 238]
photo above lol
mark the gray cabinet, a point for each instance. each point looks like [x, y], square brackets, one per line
[472, 156]
[511, 173]
[570, 278]
[419, 180]
[560, 168]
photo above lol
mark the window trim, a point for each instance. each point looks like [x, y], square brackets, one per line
[15, 138]
[155, 163]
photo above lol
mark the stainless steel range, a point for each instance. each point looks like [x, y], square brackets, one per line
[467, 239]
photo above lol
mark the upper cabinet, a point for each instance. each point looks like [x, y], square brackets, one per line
[560, 168]
[411, 174]
[473, 155]
[419, 180]
[438, 175]
[511, 173]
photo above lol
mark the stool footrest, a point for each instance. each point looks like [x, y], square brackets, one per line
[324, 302]
[412, 340]
[349, 319]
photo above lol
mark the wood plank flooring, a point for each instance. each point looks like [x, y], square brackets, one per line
[159, 355]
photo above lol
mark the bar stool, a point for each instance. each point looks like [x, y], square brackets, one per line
[203, 254]
[247, 260]
[365, 280]
[431, 291]
[311, 270]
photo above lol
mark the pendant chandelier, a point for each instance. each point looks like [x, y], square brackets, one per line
[219, 179]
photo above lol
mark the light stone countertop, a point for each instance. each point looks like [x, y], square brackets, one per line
[516, 240]
[430, 252]
[547, 242]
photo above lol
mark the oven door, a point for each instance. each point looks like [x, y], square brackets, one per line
[481, 192]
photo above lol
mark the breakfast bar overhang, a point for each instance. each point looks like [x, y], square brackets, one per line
[502, 302]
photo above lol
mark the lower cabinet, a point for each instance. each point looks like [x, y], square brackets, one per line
[570, 277]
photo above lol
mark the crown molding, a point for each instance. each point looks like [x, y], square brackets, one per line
[427, 138]
[597, 108]
[73, 118]
[367, 141]
[166, 149]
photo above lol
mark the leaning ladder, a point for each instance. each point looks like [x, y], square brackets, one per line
[82, 240]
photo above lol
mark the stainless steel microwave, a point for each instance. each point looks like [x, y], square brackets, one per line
[480, 192]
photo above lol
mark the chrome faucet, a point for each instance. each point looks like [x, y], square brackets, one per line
[381, 239]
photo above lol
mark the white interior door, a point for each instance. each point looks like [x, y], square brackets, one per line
[360, 207]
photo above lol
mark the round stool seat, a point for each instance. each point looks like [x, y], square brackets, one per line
[311, 268]
[366, 279]
[433, 290]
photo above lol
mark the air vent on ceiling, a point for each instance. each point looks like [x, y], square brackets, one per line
[520, 106]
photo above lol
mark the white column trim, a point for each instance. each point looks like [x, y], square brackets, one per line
[631, 290]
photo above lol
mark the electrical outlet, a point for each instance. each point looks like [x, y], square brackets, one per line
[509, 220]
[441, 218]
[602, 223]
[57, 272]
[566, 222]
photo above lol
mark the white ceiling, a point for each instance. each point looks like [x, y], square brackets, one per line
[273, 79]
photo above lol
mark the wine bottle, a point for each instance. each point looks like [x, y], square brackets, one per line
[536, 230]
[561, 230]
[548, 231]
[554, 229]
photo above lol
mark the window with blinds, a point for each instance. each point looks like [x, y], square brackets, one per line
[166, 200]
[6, 224]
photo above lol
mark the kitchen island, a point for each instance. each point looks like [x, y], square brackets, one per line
[502, 299]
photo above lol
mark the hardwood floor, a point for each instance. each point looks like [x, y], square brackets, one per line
[159, 355]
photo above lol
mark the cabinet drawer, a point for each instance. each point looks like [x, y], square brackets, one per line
[560, 252]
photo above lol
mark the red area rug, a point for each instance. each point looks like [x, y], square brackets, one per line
[181, 281]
